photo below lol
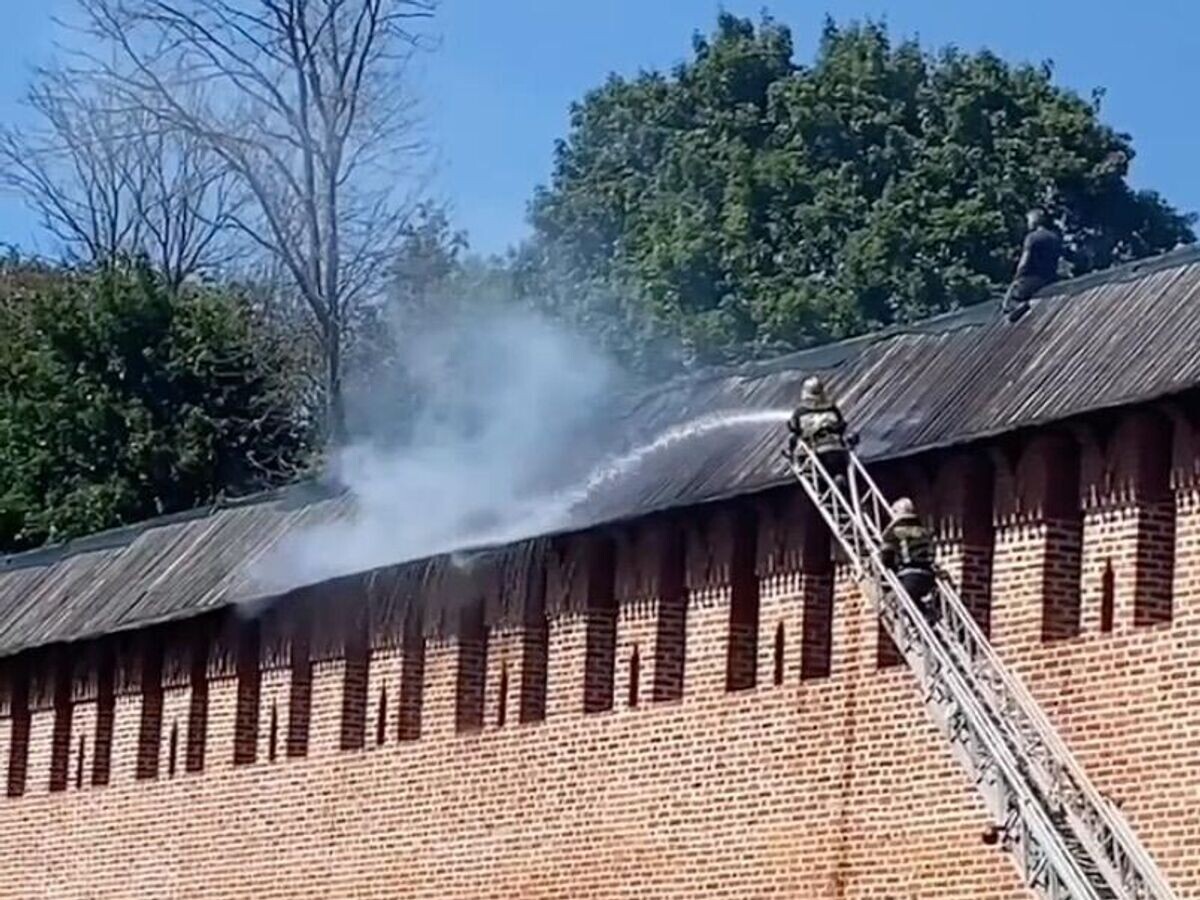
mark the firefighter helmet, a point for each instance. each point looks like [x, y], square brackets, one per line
[812, 390]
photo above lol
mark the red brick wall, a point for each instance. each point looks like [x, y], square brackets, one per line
[828, 785]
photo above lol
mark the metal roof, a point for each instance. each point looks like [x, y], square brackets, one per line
[1110, 339]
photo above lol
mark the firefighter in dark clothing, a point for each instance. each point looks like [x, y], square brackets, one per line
[819, 423]
[908, 551]
[1037, 267]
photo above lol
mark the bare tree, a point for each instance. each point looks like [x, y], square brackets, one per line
[305, 101]
[107, 182]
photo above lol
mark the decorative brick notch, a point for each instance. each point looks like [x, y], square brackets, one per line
[197, 722]
[535, 651]
[412, 677]
[105, 715]
[472, 668]
[18, 749]
[249, 684]
[670, 645]
[150, 727]
[600, 662]
[354, 682]
[741, 671]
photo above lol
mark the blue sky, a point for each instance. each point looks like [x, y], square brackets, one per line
[497, 91]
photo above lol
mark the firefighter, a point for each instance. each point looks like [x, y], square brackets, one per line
[819, 422]
[908, 551]
[1037, 267]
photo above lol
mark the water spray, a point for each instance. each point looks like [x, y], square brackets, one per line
[627, 462]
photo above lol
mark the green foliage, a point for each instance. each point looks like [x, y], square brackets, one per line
[746, 205]
[427, 283]
[607, 308]
[120, 399]
[428, 259]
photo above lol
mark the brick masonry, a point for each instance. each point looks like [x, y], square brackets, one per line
[468, 767]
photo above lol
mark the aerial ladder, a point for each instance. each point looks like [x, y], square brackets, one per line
[1066, 839]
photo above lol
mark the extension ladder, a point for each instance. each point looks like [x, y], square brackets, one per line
[1064, 837]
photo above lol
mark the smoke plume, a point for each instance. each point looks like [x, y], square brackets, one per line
[504, 410]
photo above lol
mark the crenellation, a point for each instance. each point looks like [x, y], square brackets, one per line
[814, 562]
[964, 490]
[81, 753]
[471, 668]
[196, 736]
[356, 675]
[115, 741]
[63, 708]
[816, 622]
[411, 693]
[669, 658]
[780, 628]
[503, 677]
[39, 754]
[383, 695]
[707, 646]
[1108, 567]
[275, 690]
[6, 749]
[741, 664]
[150, 709]
[172, 759]
[1154, 564]
[637, 633]
[246, 726]
[326, 700]
[438, 715]
[856, 635]
[1185, 582]
[601, 611]
[567, 643]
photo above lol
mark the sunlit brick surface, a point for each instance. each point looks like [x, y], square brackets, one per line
[830, 783]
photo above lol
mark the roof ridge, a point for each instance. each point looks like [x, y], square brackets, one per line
[964, 317]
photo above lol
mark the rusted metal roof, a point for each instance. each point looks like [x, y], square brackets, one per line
[1114, 338]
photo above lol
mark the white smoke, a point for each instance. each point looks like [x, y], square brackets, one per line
[507, 412]
[509, 433]
[612, 470]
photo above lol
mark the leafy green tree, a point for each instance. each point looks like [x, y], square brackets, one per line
[425, 285]
[606, 307]
[121, 399]
[745, 204]
[428, 260]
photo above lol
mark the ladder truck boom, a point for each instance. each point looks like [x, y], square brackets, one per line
[1067, 840]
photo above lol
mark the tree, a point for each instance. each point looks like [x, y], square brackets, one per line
[121, 399]
[428, 281]
[427, 262]
[304, 101]
[597, 301]
[746, 205]
[109, 185]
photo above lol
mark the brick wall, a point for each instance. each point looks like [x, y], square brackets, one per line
[813, 773]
